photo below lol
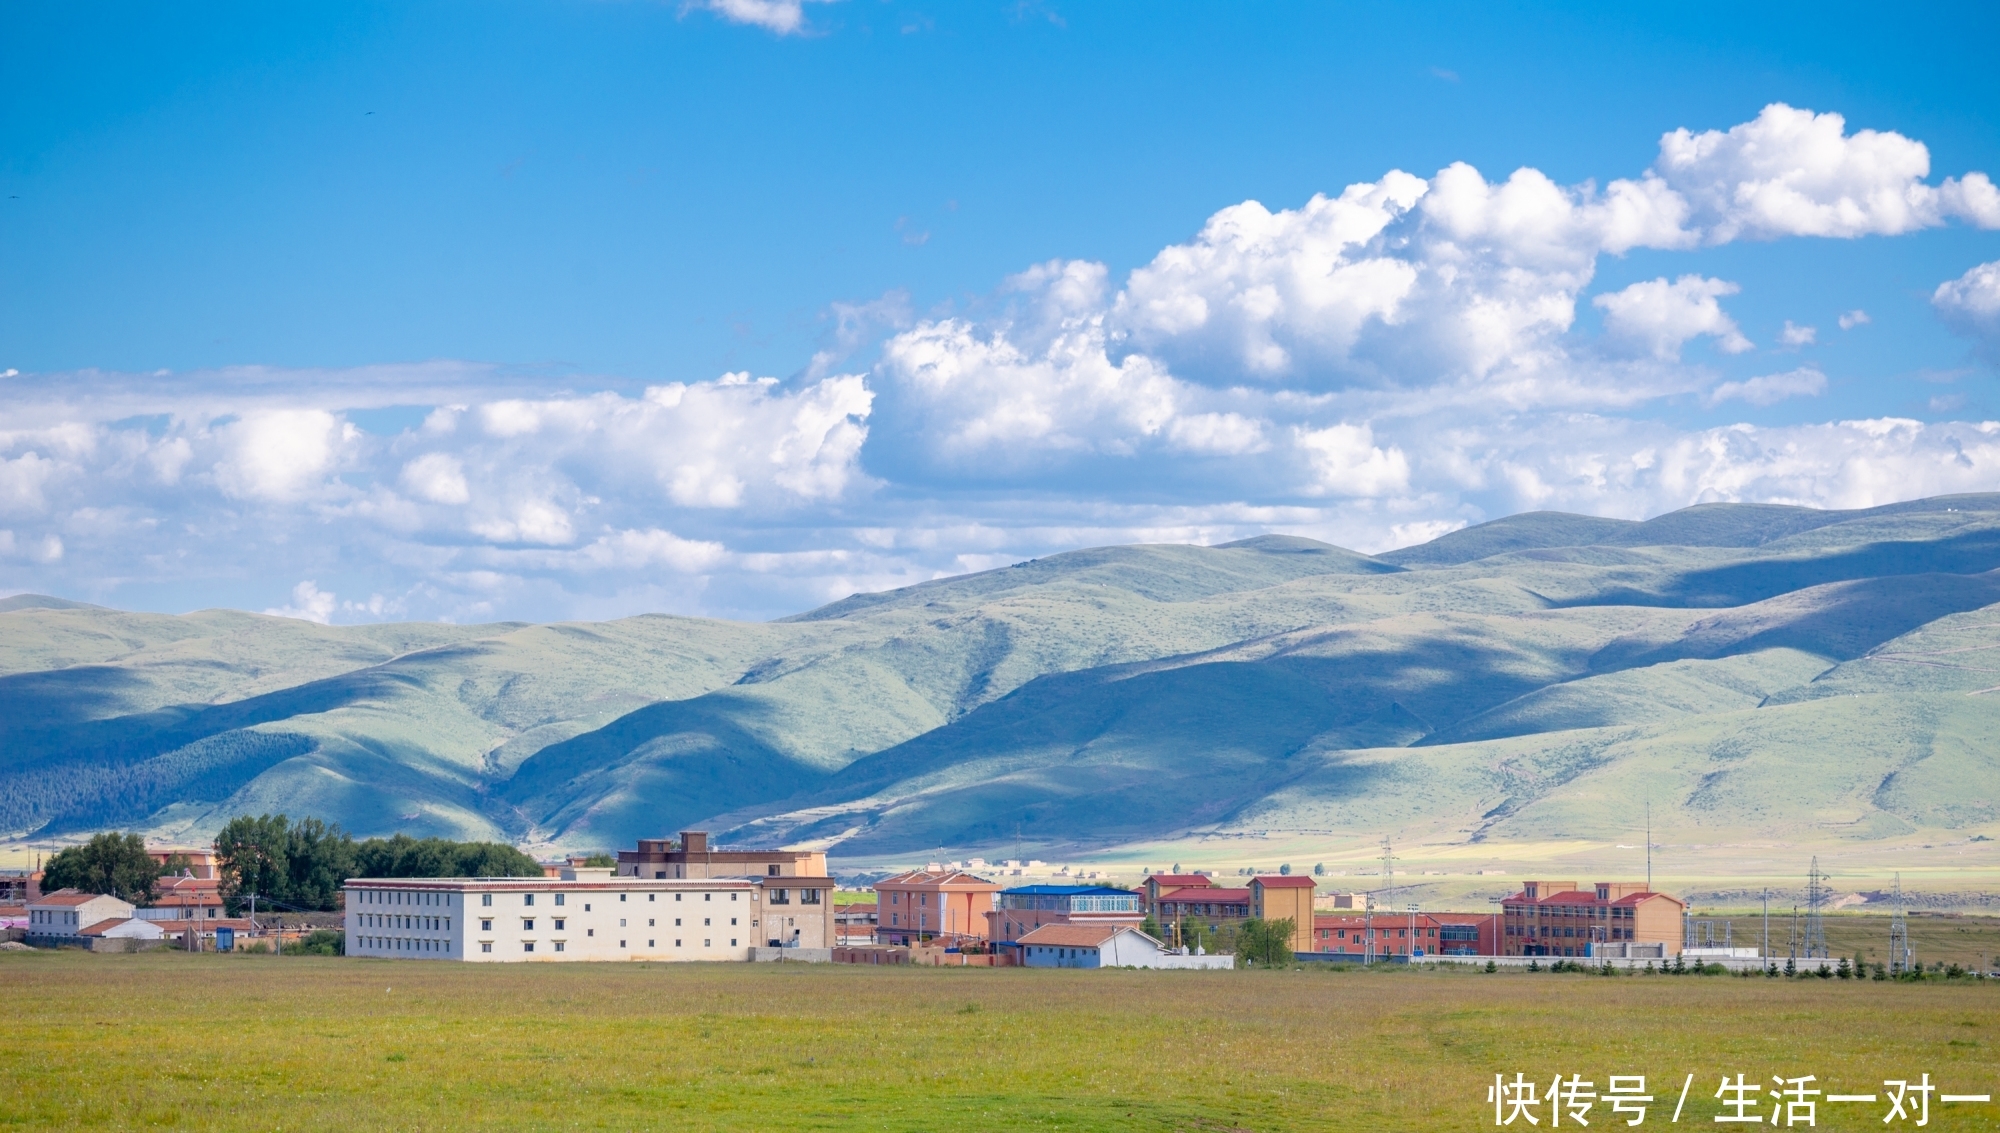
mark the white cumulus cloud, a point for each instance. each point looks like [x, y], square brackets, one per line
[1970, 305]
[309, 603]
[784, 17]
[1792, 172]
[1659, 317]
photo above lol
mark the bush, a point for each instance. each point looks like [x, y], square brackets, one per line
[319, 942]
[1491, 966]
[1265, 942]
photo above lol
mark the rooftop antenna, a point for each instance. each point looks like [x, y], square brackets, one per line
[1816, 894]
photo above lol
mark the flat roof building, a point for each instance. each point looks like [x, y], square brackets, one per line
[586, 914]
[692, 856]
[1562, 918]
[1026, 908]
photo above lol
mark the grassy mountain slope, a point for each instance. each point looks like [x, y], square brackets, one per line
[1524, 679]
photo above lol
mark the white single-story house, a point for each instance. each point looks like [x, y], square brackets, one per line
[1105, 946]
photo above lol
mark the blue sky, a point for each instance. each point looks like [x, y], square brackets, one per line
[467, 310]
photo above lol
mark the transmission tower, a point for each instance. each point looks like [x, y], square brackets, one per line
[1388, 864]
[1816, 895]
[1900, 956]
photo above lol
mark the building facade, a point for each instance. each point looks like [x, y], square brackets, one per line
[1026, 908]
[1105, 946]
[692, 857]
[61, 917]
[1389, 935]
[586, 914]
[1285, 897]
[1562, 918]
[1159, 885]
[923, 905]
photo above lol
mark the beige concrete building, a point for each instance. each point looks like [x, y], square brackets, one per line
[587, 914]
[692, 856]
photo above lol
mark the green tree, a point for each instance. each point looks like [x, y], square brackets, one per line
[109, 863]
[1150, 926]
[1285, 870]
[601, 860]
[1265, 942]
[318, 859]
[404, 856]
[254, 857]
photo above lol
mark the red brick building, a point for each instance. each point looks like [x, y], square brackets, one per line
[1393, 934]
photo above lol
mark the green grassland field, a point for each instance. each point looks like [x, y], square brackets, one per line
[171, 1041]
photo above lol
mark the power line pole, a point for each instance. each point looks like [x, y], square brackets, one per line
[1649, 843]
[1816, 893]
[1899, 935]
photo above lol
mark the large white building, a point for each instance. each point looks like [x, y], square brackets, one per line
[585, 914]
[61, 917]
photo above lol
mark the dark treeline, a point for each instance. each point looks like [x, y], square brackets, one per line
[301, 864]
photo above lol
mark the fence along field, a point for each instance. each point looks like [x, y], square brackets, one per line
[243, 1042]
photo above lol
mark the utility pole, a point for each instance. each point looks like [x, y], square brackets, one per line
[1767, 925]
[1899, 935]
[1649, 842]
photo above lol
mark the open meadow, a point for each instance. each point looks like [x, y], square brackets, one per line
[165, 1040]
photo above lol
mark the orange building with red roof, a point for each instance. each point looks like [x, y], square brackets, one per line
[1561, 918]
[929, 904]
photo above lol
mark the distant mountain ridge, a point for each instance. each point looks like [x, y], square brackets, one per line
[1505, 681]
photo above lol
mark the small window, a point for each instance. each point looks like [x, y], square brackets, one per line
[706, 921]
[658, 874]
[527, 926]
[527, 946]
[808, 896]
[559, 924]
[771, 871]
[732, 920]
[677, 896]
[486, 899]
[732, 942]
[708, 896]
[677, 922]
[649, 944]
[559, 898]
[621, 944]
[559, 946]
[485, 926]
[677, 944]
[649, 922]
[621, 922]
[734, 896]
[486, 946]
[652, 896]
[621, 896]
[708, 943]
[586, 906]
[528, 899]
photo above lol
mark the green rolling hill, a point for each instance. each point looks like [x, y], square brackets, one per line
[1757, 673]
